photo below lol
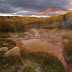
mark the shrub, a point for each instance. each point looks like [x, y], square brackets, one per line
[66, 37]
[5, 35]
[68, 52]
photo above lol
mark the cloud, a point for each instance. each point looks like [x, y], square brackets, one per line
[46, 10]
[70, 2]
[9, 14]
[8, 8]
[56, 12]
[35, 7]
[60, 12]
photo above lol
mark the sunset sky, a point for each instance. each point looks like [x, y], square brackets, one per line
[34, 7]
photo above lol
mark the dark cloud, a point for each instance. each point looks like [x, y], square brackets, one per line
[39, 3]
[29, 7]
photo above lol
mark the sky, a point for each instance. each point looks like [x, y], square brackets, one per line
[34, 7]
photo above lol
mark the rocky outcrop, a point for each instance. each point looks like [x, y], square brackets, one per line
[13, 52]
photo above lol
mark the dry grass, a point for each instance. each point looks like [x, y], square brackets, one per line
[5, 35]
[56, 33]
[68, 52]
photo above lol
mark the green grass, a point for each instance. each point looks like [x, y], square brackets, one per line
[7, 62]
[47, 62]
[5, 35]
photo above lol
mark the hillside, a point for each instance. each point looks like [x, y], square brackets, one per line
[63, 21]
[20, 24]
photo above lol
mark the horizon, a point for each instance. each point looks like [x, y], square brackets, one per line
[35, 8]
[38, 16]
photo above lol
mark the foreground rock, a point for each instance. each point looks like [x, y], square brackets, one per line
[13, 52]
[4, 49]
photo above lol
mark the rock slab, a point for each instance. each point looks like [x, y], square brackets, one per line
[13, 52]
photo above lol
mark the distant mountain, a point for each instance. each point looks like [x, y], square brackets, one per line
[43, 17]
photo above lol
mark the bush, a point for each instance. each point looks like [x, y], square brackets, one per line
[4, 26]
[68, 52]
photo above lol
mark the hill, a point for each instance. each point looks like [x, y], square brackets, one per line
[63, 21]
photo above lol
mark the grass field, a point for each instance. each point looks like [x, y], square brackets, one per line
[30, 62]
[35, 62]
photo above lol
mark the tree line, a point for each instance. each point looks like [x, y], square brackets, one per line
[20, 24]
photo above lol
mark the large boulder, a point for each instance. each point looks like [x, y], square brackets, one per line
[4, 49]
[13, 52]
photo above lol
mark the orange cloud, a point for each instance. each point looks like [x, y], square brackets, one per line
[61, 12]
[56, 12]
[70, 2]
[46, 10]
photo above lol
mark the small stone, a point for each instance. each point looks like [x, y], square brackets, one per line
[4, 49]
